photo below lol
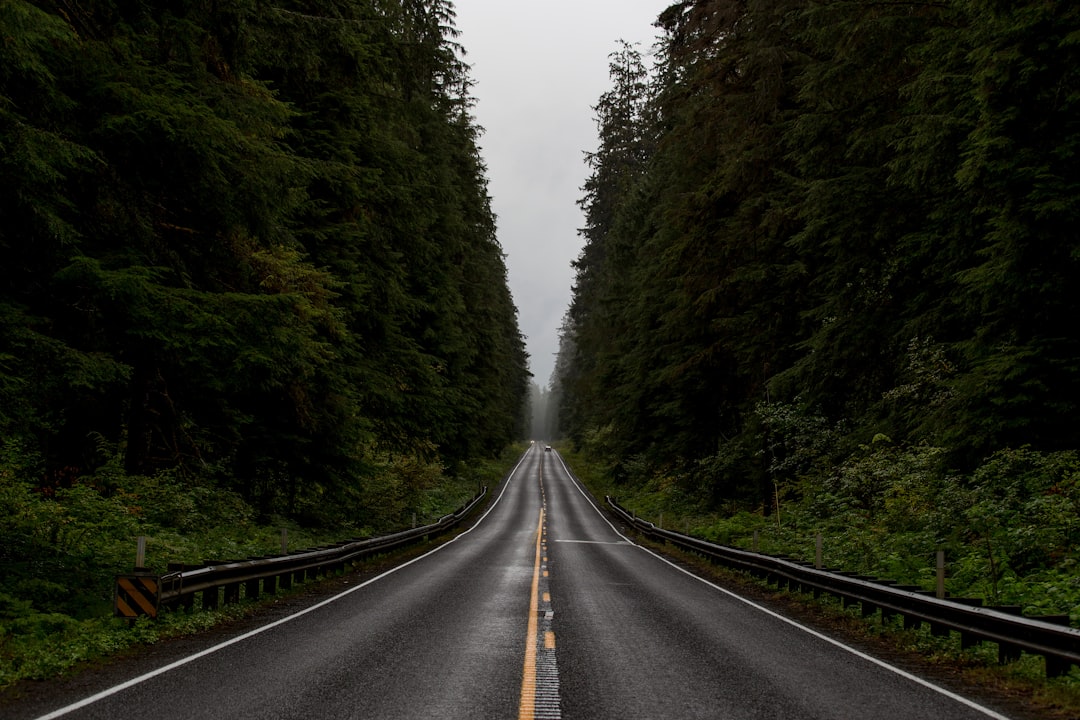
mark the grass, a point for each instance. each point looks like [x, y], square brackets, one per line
[1020, 685]
[36, 645]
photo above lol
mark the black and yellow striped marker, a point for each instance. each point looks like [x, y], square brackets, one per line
[136, 595]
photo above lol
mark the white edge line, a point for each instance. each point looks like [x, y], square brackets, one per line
[596, 542]
[240, 638]
[858, 653]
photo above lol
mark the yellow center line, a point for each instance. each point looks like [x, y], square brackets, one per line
[527, 708]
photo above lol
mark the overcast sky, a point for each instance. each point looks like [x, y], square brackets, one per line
[538, 68]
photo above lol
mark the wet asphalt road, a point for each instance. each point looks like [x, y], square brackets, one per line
[640, 638]
[612, 631]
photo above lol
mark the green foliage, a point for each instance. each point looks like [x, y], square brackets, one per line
[60, 551]
[1022, 519]
[837, 270]
[249, 245]
[249, 278]
[43, 646]
[1009, 528]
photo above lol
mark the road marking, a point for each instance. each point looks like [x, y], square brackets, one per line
[60, 712]
[527, 706]
[596, 542]
[547, 671]
[857, 653]
[540, 674]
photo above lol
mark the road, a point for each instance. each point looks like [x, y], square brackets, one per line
[541, 609]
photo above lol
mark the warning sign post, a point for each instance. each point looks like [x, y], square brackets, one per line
[137, 594]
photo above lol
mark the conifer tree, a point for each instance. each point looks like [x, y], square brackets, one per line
[249, 245]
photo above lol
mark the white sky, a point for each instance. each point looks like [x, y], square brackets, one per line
[538, 68]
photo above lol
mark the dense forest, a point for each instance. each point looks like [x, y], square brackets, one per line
[830, 261]
[247, 260]
[543, 413]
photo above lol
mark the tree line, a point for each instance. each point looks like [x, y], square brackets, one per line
[813, 228]
[245, 243]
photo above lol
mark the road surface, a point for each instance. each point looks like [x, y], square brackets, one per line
[541, 610]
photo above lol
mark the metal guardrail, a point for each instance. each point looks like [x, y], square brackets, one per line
[217, 581]
[1013, 633]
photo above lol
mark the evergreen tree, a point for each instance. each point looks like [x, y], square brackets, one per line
[1019, 381]
[600, 290]
[849, 214]
[248, 243]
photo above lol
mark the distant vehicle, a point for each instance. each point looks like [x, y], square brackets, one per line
[547, 448]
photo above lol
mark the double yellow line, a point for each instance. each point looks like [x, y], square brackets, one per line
[527, 708]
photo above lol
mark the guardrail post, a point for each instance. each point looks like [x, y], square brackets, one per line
[969, 640]
[210, 598]
[187, 602]
[1055, 666]
[140, 553]
[1008, 653]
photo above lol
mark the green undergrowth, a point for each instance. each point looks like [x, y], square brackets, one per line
[1008, 532]
[1022, 682]
[38, 646]
[63, 552]
[1024, 679]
